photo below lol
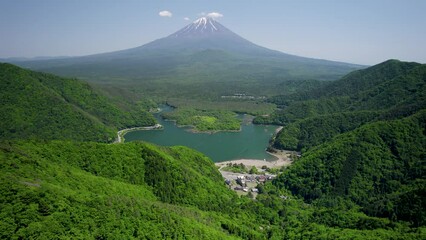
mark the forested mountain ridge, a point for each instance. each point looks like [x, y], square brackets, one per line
[379, 166]
[363, 141]
[303, 134]
[140, 191]
[365, 79]
[355, 82]
[92, 190]
[40, 105]
[394, 90]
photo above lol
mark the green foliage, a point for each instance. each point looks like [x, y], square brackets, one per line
[333, 217]
[91, 190]
[303, 109]
[39, 105]
[387, 91]
[205, 120]
[377, 76]
[354, 83]
[137, 190]
[363, 165]
[235, 168]
[253, 170]
[374, 166]
[312, 131]
[397, 87]
[253, 107]
[190, 182]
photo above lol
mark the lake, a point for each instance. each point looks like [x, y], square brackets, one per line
[249, 143]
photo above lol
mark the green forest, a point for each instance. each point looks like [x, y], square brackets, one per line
[361, 174]
[379, 167]
[43, 106]
[387, 91]
[362, 139]
[60, 189]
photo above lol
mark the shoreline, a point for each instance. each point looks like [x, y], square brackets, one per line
[121, 133]
[283, 159]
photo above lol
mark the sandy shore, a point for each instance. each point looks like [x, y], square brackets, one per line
[283, 159]
[121, 133]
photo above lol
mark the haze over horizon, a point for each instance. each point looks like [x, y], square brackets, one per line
[362, 32]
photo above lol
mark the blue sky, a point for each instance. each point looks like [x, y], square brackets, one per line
[355, 31]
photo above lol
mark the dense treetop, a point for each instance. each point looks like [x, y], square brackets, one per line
[61, 189]
[363, 139]
[377, 166]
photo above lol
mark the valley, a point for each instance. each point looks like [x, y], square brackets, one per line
[203, 134]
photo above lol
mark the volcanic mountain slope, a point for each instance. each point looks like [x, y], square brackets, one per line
[204, 50]
[204, 34]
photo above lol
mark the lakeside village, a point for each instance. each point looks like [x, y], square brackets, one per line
[248, 184]
[246, 177]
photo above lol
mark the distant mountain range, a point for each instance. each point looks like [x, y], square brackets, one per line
[21, 59]
[204, 50]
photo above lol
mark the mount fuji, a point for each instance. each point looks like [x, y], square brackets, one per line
[205, 33]
[204, 50]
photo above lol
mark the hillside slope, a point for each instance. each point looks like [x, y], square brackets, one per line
[379, 166]
[97, 191]
[361, 176]
[363, 140]
[88, 190]
[39, 105]
[387, 91]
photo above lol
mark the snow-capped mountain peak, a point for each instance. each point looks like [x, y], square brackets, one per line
[205, 23]
[200, 27]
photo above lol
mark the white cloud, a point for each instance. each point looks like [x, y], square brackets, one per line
[214, 15]
[186, 18]
[165, 14]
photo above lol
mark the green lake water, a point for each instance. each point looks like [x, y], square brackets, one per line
[249, 143]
